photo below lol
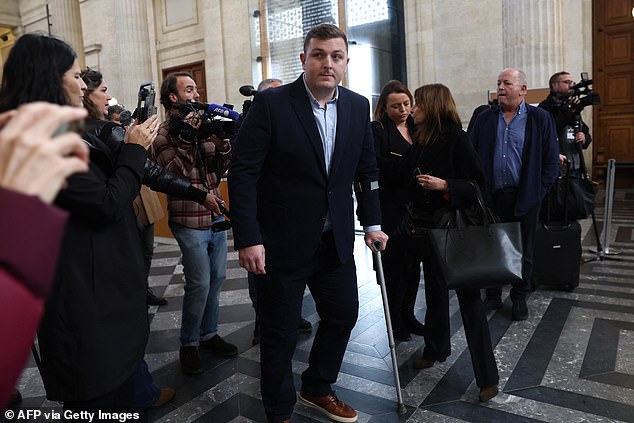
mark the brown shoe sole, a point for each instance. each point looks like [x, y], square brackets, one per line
[326, 412]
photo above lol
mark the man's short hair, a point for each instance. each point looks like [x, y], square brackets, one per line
[556, 78]
[266, 83]
[325, 31]
[169, 87]
[114, 109]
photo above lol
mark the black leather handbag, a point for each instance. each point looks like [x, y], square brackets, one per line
[569, 199]
[478, 252]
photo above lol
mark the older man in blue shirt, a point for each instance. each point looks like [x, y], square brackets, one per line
[517, 143]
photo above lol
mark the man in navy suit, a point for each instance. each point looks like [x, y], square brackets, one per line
[517, 143]
[298, 154]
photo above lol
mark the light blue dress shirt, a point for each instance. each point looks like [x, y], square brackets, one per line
[509, 147]
[326, 119]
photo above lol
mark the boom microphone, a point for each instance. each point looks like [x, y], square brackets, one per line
[248, 90]
[215, 110]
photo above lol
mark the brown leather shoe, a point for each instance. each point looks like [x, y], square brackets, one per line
[167, 394]
[331, 406]
[423, 363]
[488, 393]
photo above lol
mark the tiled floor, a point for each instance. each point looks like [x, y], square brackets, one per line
[571, 361]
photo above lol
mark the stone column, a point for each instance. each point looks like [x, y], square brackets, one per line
[134, 60]
[533, 38]
[65, 19]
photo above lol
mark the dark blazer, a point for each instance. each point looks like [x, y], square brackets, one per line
[540, 160]
[450, 157]
[278, 186]
[95, 327]
[390, 147]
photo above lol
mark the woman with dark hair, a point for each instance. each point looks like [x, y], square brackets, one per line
[440, 169]
[95, 327]
[393, 128]
[155, 178]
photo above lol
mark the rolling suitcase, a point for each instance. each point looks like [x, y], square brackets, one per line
[557, 254]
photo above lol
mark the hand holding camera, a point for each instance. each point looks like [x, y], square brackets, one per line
[144, 133]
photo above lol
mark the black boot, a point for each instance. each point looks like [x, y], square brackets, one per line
[152, 299]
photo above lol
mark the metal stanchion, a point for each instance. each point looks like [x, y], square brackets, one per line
[607, 210]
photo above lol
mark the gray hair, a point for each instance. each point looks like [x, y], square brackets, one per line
[267, 83]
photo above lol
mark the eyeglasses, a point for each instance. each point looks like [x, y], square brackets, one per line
[567, 82]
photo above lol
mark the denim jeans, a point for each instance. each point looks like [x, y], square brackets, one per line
[146, 393]
[205, 267]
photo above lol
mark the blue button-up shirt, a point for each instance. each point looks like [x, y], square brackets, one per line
[509, 146]
[326, 119]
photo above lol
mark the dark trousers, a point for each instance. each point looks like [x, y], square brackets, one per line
[504, 206]
[147, 247]
[402, 277]
[437, 329]
[119, 400]
[333, 286]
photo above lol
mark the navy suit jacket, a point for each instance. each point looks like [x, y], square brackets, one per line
[279, 190]
[540, 158]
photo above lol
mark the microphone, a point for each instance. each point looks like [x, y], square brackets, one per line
[215, 110]
[248, 90]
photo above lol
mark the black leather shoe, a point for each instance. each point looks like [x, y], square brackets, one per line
[402, 335]
[423, 363]
[488, 393]
[416, 327]
[492, 303]
[190, 360]
[520, 310]
[305, 326]
[152, 299]
[219, 346]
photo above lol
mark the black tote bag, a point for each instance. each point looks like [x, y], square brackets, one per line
[569, 198]
[485, 255]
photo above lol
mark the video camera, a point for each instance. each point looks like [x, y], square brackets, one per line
[580, 95]
[145, 104]
[216, 120]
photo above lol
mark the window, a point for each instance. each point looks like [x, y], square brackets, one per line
[375, 34]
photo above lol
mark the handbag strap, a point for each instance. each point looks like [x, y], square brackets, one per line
[487, 217]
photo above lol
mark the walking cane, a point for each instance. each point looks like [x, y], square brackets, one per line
[388, 322]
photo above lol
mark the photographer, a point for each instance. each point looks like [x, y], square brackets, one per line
[572, 132]
[183, 148]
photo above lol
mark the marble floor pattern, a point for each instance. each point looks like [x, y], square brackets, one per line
[571, 361]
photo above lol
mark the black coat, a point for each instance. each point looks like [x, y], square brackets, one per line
[566, 118]
[155, 176]
[95, 326]
[390, 147]
[451, 157]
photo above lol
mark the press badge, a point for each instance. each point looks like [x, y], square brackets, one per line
[570, 135]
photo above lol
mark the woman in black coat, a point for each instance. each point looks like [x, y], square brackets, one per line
[439, 169]
[393, 130]
[93, 334]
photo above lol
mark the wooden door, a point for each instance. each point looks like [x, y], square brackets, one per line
[613, 72]
[197, 70]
